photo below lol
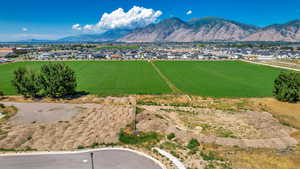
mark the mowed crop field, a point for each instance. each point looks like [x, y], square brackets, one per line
[220, 78]
[100, 77]
[204, 78]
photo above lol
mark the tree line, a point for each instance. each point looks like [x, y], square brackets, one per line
[55, 80]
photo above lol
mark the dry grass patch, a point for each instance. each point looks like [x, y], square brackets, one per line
[8, 112]
[255, 158]
[286, 113]
[265, 160]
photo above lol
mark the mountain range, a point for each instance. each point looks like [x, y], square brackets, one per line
[198, 29]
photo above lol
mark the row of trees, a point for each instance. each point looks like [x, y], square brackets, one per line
[54, 80]
[287, 87]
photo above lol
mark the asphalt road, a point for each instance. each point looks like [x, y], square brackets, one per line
[104, 159]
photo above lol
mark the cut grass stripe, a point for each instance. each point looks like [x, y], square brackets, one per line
[174, 89]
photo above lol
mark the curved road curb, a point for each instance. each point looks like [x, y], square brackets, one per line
[87, 151]
[174, 160]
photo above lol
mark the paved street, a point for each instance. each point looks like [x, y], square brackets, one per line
[104, 159]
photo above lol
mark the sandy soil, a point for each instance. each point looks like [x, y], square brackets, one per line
[97, 123]
[245, 133]
[244, 129]
[90, 119]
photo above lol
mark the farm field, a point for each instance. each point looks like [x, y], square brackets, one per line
[207, 78]
[220, 78]
[101, 77]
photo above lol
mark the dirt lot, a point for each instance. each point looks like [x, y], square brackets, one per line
[239, 133]
[83, 125]
[44, 112]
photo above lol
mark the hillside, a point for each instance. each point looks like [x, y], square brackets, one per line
[197, 29]
[213, 29]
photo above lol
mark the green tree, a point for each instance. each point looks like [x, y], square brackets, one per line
[26, 82]
[287, 87]
[58, 80]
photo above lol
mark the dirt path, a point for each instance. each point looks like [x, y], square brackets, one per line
[169, 83]
[271, 65]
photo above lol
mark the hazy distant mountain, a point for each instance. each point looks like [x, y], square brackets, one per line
[198, 29]
[111, 35]
[35, 41]
[289, 32]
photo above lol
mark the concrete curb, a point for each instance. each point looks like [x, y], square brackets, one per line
[86, 151]
[174, 160]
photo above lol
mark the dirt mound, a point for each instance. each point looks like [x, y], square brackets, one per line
[243, 129]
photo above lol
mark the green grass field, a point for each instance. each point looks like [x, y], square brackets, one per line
[207, 78]
[220, 78]
[101, 77]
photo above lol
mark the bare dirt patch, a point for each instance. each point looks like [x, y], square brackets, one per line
[236, 133]
[244, 128]
[95, 124]
[44, 112]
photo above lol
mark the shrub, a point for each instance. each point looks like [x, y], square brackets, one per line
[210, 156]
[170, 136]
[26, 82]
[1, 94]
[287, 87]
[58, 80]
[193, 143]
[138, 138]
[80, 147]
[175, 154]
[139, 110]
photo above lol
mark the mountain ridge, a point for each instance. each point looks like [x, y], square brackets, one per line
[197, 29]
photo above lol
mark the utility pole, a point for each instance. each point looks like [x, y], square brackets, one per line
[92, 160]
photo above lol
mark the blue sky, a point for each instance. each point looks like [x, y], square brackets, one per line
[52, 19]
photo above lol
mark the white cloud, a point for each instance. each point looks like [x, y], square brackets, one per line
[24, 29]
[76, 27]
[189, 12]
[134, 18]
[88, 27]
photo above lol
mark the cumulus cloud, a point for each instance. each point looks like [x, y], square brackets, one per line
[24, 29]
[76, 27]
[189, 12]
[134, 18]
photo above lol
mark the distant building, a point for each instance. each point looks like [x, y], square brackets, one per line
[116, 56]
[4, 52]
